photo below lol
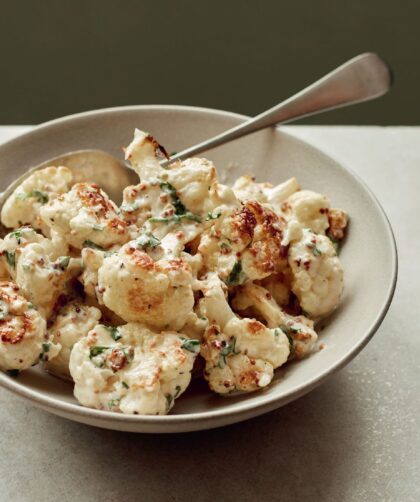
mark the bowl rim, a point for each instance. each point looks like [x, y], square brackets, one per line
[265, 402]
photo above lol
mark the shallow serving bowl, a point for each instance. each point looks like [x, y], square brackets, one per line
[368, 256]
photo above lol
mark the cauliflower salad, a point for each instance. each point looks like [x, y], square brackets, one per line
[188, 276]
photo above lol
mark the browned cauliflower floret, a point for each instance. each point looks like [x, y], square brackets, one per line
[24, 205]
[240, 354]
[38, 266]
[140, 289]
[178, 199]
[299, 330]
[23, 336]
[317, 274]
[72, 322]
[132, 369]
[85, 214]
[309, 209]
[244, 244]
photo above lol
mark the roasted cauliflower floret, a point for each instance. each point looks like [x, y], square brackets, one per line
[317, 274]
[34, 263]
[244, 244]
[178, 199]
[140, 289]
[24, 205]
[13, 243]
[240, 354]
[185, 184]
[73, 322]
[309, 209]
[299, 330]
[85, 214]
[23, 336]
[38, 267]
[132, 369]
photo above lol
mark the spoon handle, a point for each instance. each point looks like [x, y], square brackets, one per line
[362, 78]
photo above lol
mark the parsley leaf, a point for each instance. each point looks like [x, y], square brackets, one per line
[289, 331]
[17, 234]
[236, 276]
[96, 350]
[176, 218]
[169, 400]
[114, 332]
[147, 241]
[11, 258]
[229, 348]
[210, 216]
[191, 345]
[176, 202]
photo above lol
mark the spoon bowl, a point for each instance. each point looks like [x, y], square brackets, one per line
[94, 166]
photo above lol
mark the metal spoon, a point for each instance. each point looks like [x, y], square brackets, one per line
[360, 79]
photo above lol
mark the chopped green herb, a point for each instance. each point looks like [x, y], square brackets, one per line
[315, 250]
[125, 384]
[191, 345]
[11, 258]
[115, 334]
[177, 391]
[63, 262]
[223, 245]
[113, 402]
[210, 216]
[169, 400]
[30, 305]
[335, 242]
[39, 195]
[289, 332]
[4, 309]
[96, 350]
[229, 348]
[95, 226]
[147, 241]
[176, 202]
[129, 353]
[172, 154]
[236, 276]
[90, 244]
[17, 234]
[175, 218]
[46, 347]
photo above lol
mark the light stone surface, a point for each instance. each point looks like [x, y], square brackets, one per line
[355, 438]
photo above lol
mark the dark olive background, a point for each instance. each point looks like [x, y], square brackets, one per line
[60, 57]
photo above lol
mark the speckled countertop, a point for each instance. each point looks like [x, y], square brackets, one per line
[355, 438]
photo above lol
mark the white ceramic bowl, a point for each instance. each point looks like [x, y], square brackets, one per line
[368, 256]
